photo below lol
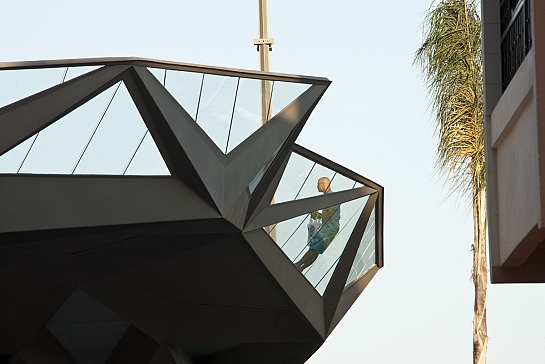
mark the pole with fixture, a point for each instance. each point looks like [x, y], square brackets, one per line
[264, 46]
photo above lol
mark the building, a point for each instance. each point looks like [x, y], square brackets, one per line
[514, 80]
[148, 217]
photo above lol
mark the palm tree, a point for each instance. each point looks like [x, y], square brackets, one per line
[450, 60]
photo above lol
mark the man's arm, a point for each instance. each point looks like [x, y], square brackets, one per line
[326, 213]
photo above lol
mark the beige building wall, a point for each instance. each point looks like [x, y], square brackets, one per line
[515, 154]
[514, 137]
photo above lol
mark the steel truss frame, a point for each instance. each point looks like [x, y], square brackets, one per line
[208, 191]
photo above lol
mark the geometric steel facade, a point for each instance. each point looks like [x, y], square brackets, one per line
[179, 245]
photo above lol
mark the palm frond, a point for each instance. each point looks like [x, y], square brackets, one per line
[450, 60]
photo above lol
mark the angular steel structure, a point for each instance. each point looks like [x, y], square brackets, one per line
[147, 217]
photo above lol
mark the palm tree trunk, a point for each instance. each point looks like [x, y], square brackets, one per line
[480, 277]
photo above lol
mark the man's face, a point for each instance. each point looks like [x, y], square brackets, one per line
[322, 185]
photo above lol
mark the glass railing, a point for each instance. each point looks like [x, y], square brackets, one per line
[318, 255]
[185, 87]
[300, 179]
[365, 257]
[105, 136]
[227, 108]
[18, 84]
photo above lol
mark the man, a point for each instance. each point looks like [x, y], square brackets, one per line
[330, 218]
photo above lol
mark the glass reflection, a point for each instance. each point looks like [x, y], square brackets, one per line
[216, 107]
[185, 87]
[283, 93]
[247, 113]
[365, 257]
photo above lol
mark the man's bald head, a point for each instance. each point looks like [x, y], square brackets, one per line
[323, 184]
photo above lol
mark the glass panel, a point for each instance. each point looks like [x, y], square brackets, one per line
[74, 72]
[159, 74]
[12, 159]
[323, 282]
[247, 115]
[216, 107]
[147, 160]
[116, 139]
[301, 177]
[57, 147]
[120, 144]
[185, 87]
[18, 84]
[365, 257]
[318, 257]
[283, 93]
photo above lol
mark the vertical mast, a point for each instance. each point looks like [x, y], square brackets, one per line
[264, 46]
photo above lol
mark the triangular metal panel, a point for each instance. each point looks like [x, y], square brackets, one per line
[189, 154]
[87, 329]
[337, 282]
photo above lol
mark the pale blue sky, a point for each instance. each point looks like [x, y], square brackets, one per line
[373, 119]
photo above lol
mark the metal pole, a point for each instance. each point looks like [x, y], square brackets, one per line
[264, 46]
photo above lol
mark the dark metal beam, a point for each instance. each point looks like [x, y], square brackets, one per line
[287, 210]
[148, 62]
[334, 166]
[379, 229]
[35, 202]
